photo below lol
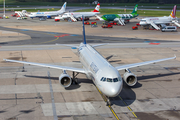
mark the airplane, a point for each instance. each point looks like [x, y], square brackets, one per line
[78, 15]
[121, 18]
[160, 21]
[48, 14]
[106, 77]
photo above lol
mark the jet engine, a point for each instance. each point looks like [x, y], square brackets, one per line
[129, 78]
[65, 80]
[48, 17]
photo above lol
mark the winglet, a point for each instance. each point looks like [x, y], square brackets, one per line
[174, 56]
[84, 36]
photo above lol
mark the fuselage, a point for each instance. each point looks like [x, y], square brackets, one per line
[112, 17]
[80, 14]
[102, 73]
[45, 14]
[156, 20]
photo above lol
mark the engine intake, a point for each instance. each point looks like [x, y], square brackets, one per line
[65, 80]
[130, 78]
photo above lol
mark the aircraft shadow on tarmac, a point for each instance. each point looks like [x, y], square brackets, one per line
[127, 93]
[72, 87]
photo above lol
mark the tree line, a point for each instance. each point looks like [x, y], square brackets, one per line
[111, 1]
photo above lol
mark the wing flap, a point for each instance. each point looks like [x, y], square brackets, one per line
[142, 63]
[80, 70]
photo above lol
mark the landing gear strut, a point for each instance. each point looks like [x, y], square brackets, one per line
[74, 79]
[108, 102]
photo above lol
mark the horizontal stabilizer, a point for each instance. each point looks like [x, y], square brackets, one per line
[72, 46]
[99, 18]
[99, 45]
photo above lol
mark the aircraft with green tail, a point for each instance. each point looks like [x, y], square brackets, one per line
[121, 18]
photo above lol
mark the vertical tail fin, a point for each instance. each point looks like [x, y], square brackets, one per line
[84, 36]
[97, 8]
[63, 8]
[135, 9]
[173, 13]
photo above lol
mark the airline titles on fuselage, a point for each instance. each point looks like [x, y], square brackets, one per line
[94, 68]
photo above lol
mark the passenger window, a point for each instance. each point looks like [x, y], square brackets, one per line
[104, 79]
[115, 80]
[109, 80]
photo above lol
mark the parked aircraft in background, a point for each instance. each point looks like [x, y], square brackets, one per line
[48, 14]
[98, 69]
[121, 18]
[78, 15]
[160, 21]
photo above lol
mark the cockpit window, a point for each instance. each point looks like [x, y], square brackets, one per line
[115, 79]
[103, 79]
[109, 80]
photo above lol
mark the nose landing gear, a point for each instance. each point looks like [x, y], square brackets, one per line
[108, 102]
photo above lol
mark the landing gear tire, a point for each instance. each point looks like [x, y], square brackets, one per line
[74, 79]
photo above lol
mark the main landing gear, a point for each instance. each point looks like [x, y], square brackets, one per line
[74, 79]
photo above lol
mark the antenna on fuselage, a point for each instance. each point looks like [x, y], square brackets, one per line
[84, 36]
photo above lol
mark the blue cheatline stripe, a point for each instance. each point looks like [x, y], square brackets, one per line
[73, 48]
[52, 98]
[73, 35]
[52, 33]
[25, 30]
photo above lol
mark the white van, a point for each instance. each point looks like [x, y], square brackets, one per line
[169, 29]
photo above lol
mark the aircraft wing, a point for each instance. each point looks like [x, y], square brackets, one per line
[79, 70]
[123, 67]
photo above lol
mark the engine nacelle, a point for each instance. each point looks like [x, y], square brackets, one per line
[65, 80]
[130, 78]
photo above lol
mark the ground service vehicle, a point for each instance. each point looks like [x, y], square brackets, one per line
[107, 26]
[134, 27]
[169, 29]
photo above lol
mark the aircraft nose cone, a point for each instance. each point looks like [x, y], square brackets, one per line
[114, 91]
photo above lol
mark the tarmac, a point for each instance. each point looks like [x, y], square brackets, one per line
[26, 94]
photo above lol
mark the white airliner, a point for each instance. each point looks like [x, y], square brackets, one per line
[48, 14]
[154, 21]
[98, 69]
[78, 15]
